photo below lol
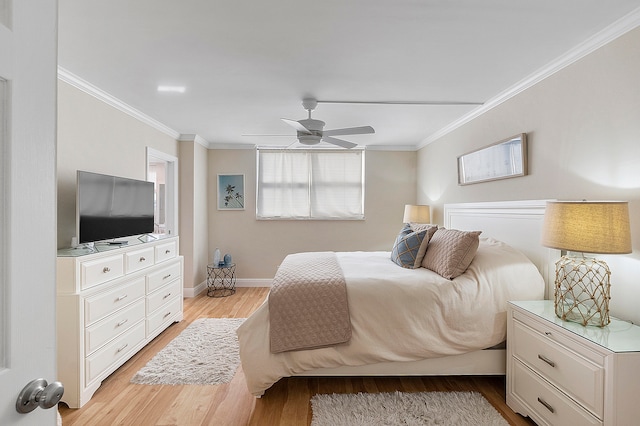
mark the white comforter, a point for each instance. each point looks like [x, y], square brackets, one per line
[402, 314]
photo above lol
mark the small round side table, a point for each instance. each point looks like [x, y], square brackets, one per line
[221, 280]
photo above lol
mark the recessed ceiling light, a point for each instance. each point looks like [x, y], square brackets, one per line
[172, 89]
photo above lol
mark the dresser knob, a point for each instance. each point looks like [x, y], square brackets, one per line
[142, 259]
[106, 269]
[546, 405]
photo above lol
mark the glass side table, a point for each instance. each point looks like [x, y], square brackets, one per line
[221, 280]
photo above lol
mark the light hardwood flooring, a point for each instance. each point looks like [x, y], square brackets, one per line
[118, 402]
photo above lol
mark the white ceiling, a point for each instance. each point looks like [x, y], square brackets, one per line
[246, 64]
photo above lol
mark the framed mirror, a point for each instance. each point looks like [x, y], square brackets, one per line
[501, 160]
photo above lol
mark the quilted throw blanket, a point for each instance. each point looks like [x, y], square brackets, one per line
[308, 305]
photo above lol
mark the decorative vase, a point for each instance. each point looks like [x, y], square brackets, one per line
[227, 259]
[216, 257]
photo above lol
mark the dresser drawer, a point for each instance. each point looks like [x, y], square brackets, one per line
[166, 251]
[98, 271]
[569, 371]
[139, 259]
[164, 314]
[113, 325]
[546, 401]
[163, 295]
[162, 277]
[98, 306]
[106, 356]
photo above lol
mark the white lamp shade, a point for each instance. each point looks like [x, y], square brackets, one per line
[587, 226]
[416, 214]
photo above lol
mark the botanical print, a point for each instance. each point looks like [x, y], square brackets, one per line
[230, 192]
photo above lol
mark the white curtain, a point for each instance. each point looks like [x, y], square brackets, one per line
[310, 184]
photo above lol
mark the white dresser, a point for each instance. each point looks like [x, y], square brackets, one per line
[562, 373]
[111, 302]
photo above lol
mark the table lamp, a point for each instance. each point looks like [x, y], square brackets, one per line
[416, 214]
[582, 285]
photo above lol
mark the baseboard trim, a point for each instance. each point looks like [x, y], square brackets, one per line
[240, 282]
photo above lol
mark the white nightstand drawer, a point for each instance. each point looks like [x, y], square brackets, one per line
[164, 314]
[103, 304]
[166, 251]
[139, 259]
[98, 362]
[546, 401]
[571, 372]
[163, 277]
[163, 295]
[105, 330]
[98, 271]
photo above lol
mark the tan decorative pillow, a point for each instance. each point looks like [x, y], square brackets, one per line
[431, 229]
[450, 252]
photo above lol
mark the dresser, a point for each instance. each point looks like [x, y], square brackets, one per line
[111, 302]
[562, 373]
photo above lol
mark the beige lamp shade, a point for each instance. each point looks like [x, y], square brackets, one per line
[587, 226]
[416, 214]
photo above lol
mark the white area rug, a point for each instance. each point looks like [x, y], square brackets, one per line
[404, 408]
[205, 353]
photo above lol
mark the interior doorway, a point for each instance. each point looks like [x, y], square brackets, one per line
[162, 170]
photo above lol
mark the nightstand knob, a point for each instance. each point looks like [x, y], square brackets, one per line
[547, 360]
[547, 333]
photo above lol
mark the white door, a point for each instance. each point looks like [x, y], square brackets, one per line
[28, 79]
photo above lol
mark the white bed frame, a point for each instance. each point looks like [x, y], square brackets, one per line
[517, 223]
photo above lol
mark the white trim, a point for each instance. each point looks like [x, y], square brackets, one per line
[85, 86]
[254, 282]
[172, 194]
[190, 137]
[240, 282]
[610, 33]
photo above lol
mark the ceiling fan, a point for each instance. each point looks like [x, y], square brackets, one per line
[310, 131]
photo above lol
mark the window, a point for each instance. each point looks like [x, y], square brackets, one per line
[310, 184]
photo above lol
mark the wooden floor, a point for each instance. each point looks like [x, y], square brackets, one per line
[118, 402]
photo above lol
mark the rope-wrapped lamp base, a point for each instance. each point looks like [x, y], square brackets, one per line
[582, 290]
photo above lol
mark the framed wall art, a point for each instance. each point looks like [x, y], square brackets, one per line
[231, 192]
[501, 160]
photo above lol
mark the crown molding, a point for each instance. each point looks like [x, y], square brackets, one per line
[187, 137]
[607, 35]
[85, 86]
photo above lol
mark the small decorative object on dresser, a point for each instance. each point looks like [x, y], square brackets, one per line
[563, 373]
[582, 286]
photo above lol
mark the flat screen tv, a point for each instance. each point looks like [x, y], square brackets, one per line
[110, 207]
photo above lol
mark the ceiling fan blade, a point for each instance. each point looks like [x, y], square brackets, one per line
[299, 127]
[349, 131]
[339, 142]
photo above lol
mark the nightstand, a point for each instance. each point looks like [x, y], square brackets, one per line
[562, 373]
[221, 280]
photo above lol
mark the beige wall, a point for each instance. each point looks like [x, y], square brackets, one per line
[583, 125]
[97, 137]
[194, 220]
[258, 247]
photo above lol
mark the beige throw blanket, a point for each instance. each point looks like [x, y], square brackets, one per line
[308, 305]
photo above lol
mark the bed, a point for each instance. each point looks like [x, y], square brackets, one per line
[402, 326]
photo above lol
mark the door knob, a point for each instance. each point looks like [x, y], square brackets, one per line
[38, 393]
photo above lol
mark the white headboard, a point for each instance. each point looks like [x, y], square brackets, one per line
[517, 223]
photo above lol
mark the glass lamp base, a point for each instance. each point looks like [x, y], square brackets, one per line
[582, 290]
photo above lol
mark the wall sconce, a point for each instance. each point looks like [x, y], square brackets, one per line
[582, 286]
[416, 214]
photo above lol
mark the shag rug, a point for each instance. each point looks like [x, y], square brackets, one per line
[404, 408]
[205, 353]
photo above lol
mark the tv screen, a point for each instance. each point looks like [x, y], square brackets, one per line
[111, 207]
